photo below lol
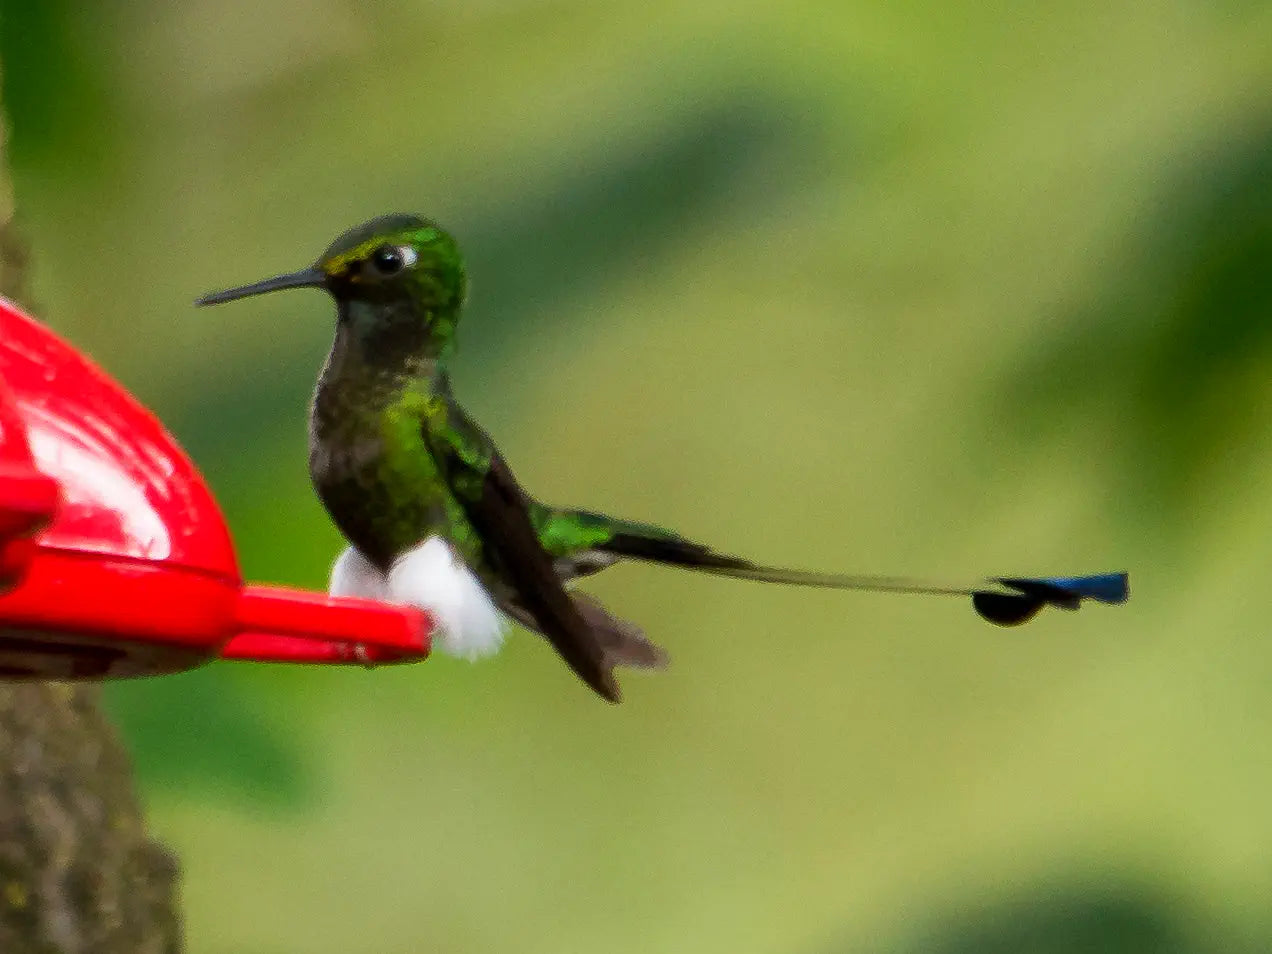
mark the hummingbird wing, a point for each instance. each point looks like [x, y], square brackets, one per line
[499, 511]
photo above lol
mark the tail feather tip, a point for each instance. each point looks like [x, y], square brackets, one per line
[1065, 592]
[1109, 588]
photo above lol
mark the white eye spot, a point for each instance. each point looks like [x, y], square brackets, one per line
[390, 259]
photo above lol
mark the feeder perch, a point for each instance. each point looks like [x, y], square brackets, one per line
[115, 559]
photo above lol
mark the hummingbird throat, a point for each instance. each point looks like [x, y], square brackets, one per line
[395, 335]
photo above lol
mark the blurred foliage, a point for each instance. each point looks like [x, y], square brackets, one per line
[205, 731]
[1094, 915]
[1174, 347]
[53, 81]
[924, 287]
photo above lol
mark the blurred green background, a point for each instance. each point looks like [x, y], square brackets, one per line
[922, 287]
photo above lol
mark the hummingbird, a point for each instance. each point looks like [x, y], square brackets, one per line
[434, 516]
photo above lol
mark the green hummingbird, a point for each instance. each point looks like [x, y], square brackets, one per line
[433, 514]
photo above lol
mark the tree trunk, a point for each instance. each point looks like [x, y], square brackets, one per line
[78, 874]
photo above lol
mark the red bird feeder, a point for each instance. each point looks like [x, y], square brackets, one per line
[115, 559]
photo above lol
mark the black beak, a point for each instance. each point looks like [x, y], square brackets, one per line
[312, 277]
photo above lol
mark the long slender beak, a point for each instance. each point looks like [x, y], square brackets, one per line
[312, 277]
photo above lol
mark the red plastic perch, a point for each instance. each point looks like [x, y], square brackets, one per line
[115, 559]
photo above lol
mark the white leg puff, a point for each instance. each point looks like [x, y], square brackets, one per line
[433, 578]
[355, 575]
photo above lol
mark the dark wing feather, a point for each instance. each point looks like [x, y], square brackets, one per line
[497, 507]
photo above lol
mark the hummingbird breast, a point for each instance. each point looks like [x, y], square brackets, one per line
[374, 473]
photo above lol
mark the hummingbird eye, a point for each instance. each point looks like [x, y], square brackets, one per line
[391, 259]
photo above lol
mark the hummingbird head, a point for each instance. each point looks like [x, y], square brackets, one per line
[395, 257]
[397, 273]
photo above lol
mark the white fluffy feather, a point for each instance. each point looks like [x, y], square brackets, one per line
[432, 578]
[355, 575]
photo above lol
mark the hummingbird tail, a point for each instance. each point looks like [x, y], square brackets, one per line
[622, 643]
[1007, 601]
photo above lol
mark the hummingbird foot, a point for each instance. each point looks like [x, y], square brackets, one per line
[430, 577]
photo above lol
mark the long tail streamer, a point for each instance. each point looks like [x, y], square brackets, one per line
[1004, 600]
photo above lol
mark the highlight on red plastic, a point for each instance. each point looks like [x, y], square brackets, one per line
[115, 559]
[28, 499]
